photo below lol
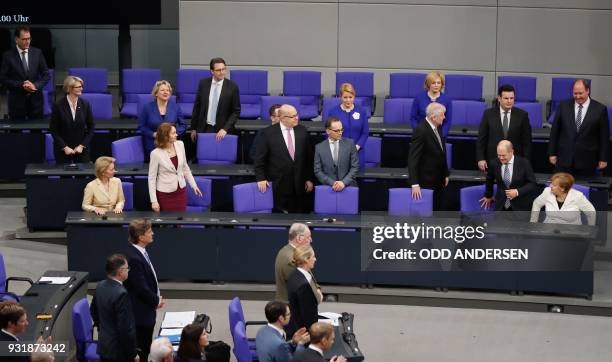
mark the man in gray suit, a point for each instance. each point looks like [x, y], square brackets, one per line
[336, 163]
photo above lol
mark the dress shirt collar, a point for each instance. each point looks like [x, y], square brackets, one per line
[501, 111]
[316, 349]
[331, 142]
[280, 331]
[219, 83]
[117, 280]
[585, 106]
[306, 274]
[140, 248]
[284, 128]
[511, 162]
[10, 334]
[19, 50]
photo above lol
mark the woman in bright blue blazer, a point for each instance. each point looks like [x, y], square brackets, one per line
[434, 83]
[158, 111]
[354, 120]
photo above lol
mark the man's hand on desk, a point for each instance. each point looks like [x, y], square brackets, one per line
[486, 202]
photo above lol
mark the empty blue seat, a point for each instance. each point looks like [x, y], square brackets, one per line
[187, 81]
[463, 87]
[524, 87]
[397, 110]
[134, 82]
[467, 113]
[210, 151]
[363, 82]
[534, 110]
[469, 198]
[372, 151]
[128, 150]
[307, 86]
[269, 101]
[196, 203]
[95, 79]
[253, 84]
[401, 202]
[247, 198]
[345, 202]
[328, 104]
[101, 104]
[406, 85]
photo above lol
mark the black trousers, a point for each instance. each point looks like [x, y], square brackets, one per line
[144, 337]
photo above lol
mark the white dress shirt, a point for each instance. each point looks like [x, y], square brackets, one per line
[284, 131]
[585, 107]
[316, 349]
[307, 275]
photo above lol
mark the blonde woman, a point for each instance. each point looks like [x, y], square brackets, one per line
[304, 296]
[434, 84]
[105, 193]
[562, 203]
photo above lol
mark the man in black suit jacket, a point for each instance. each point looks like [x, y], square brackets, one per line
[580, 133]
[427, 166]
[13, 322]
[111, 311]
[217, 105]
[273, 112]
[284, 158]
[142, 285]
[322, 337]
[503, 123]
[516, 182]
[24, 73]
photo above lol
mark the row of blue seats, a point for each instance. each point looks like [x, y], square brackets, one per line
[305, 89]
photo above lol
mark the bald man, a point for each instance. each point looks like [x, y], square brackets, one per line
[515, 180]
[284, 161]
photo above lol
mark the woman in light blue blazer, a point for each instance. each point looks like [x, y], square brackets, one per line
[158, 111]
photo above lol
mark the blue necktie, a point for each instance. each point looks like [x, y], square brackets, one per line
[212, 120]
[146, 255]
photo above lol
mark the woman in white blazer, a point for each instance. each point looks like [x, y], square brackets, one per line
[562, 203]
[169, 172]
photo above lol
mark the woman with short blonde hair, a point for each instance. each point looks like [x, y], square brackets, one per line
[105, 193]
[434, 84]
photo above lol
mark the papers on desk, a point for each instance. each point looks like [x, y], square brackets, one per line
[170, 332]
[54, 280]
[330, 317]
[178, 319]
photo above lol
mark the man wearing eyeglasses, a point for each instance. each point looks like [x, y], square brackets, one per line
[336, 163]
[284, 161]
[111, 311]
[24, 73]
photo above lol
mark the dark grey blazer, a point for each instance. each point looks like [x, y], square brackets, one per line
[348, 163]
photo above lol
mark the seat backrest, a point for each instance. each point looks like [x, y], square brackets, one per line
[210, 151]
[82, 326]
[95, 79]
[235, 313]
[397, 110]
[247, 198]
[449, 155]
[328, 104]
[406, 85]
[463, 87]
[128, 194]
[469, 198]
[49, 154]
[2, 275]
[301, 83]
[50, 86]
[524, 86]
[187, 80]
[372, 151]
[534, 110]
[363, 82]
[241, 343]
[269, 101]
[205, 185]
[139, 80]
[467, 113]
[251, 82]
[345, 202]
[128, 150]
[401, 202]
[101, 104]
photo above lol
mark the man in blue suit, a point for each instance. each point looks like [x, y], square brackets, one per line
[111, 311]
[24, 73]
[271, 340]
[336, 162]
[142, 285]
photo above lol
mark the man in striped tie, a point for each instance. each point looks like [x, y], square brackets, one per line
[515, 180]
[142, 285]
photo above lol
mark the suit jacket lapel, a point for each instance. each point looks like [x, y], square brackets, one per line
[279, 133]
[497, 126]
[20, 63]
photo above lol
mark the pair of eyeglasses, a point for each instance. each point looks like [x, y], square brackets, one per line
[337, 130]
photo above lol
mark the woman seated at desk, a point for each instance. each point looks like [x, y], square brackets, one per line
[72, 124]
[194, 339]
[169, 172]
[562, 203]
[105, 193]
[158, 111]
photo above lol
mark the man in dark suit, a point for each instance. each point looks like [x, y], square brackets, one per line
[336, 162]
[299, 235]
[273, 111]
[217, 105]
[24, 73]
[284, 158]
[505, 122]
[271, 341]
[322, 337]
[427, 160]
[111, 311]
[516, 182]
[13, 322]
[142, 285]
[580, 133]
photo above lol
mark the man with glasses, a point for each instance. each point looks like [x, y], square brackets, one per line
[24, 73]
[111, 311]
[284, 161]
[217, 105]
[336, 162]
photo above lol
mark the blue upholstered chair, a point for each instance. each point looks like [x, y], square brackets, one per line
[306, 85]
[128, 194]
[401, 202]
[467, 113]
[328, 104]
[101, 104]
[534, 110]
[128, 150]
[406, 85]
[82, 329]
[397, 110]
[196, 203]
[269, 101]
[524, 86]
[95, 79]
[463, 87]
[49, 154]
[372, 151]
[363, 82]
[210, 151]
[187, 81]
[253, 84]
[345, 202]
[136, 81]
[4, 283]
[469, 198]
[247, 198]
[561, 89]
